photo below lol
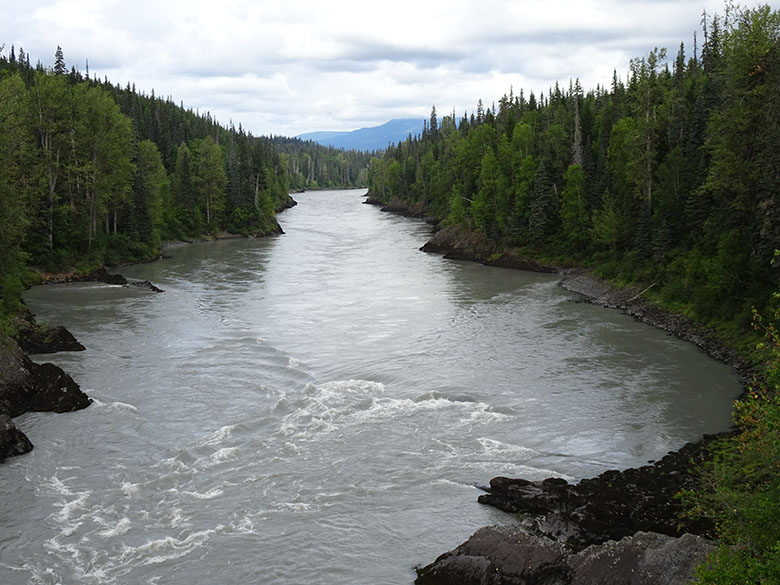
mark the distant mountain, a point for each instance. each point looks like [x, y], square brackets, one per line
[367, 139]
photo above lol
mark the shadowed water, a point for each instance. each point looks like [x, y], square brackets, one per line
[318, 407]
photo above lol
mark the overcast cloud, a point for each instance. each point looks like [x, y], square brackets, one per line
[304, 65]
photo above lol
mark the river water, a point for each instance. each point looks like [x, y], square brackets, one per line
[318, 408]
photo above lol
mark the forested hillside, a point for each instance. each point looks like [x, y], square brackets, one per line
[95, 174]
[669, 177]
[312, 166]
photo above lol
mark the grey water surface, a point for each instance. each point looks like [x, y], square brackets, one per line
[318, 408]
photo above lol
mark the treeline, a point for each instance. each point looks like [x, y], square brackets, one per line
[95, 174]
[311, 166]
[670, 177]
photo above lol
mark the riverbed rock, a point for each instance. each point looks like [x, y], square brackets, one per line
[371, 200]
[457, 244]
[619, 527]
[27, 386]
[12, 440]
[646, 558]
[49, 339]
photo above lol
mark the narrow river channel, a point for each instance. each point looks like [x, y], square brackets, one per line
[318, 408]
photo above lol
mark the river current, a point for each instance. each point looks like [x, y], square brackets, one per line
[320, 407]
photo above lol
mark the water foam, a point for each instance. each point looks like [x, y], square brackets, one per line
[165, 549]
[115, 405]
[218, 436]
[225, 454]
[209, 495]
[130, 489]
[118, 529]
[497, 448]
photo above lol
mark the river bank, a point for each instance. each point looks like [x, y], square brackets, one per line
[623, 526]
[26, 386]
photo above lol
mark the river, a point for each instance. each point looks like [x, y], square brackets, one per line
[319, 407]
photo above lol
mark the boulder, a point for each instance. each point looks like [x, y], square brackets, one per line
[12, 440]
[27, 386]
[46, 339]
[510, 555]
[643, 559]
[103, 275]
[500, 555]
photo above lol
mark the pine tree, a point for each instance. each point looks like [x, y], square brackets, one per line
[59, 62]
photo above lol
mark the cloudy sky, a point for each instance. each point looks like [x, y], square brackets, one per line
[287, 67]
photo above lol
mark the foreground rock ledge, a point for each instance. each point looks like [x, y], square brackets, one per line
[509, 555]
[619, 527]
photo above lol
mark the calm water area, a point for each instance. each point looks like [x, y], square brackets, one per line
[320, 407]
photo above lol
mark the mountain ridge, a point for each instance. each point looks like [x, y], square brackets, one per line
[370, 138]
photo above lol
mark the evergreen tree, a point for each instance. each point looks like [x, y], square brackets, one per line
[210, 181]
[59, 62]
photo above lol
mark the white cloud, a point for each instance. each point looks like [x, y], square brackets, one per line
[296, 66]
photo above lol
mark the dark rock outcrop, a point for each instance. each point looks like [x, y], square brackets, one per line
[103, 275]
[287, 203]
[610, 506]
[619, 527]
[12, 440]
[400, 207]
[510, 555]
[457, 244]
[35, 338]
[371, 200]
[49, 340]
[27, 386]
[143, 284]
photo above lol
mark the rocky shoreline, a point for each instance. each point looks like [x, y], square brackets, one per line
[620, 527]
[26, 386]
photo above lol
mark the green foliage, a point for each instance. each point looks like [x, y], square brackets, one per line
[574, 215]
[93, 173]
[742, 480]
[310, 166]
[608, 224]
[676, 176]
